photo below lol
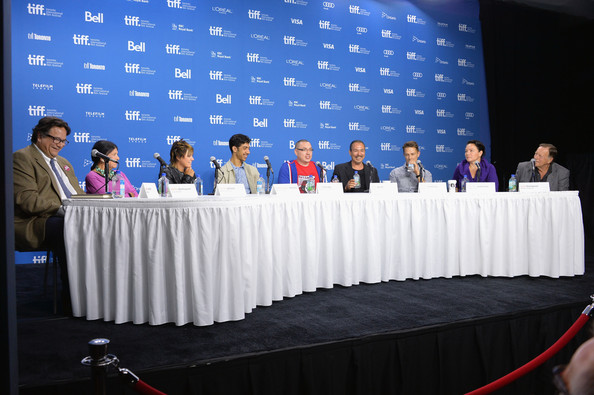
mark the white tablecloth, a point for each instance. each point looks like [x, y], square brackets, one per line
[214, 259]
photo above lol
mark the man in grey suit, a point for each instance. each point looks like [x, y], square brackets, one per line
[41, 180]
[542, 168]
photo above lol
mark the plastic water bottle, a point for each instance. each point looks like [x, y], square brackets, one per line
[357, 179]
[311, 184]
[116, 181]
[463, 183]
[122, 185]
[335, 178]
[199, 185]
[513, 184]
[163, 185]
[260, 186]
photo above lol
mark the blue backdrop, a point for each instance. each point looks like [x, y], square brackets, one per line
[144, 73]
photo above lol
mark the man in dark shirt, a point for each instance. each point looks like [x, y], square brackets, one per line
[345, 172]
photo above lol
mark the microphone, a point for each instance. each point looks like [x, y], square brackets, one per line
[533, 176]
[265, 160]
[478, 170]
[368, 163]
[95, 153]
[158, 157]
[532, 163]
[323, 171]
[320, 166]
[216, 164]
[477, 164]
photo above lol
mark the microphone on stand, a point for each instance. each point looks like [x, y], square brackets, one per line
[478, 170]
[368, 163]
[96, 154]
[421, 170]
[533, 177]
[323, 171]
[217, 169]
[268, 171]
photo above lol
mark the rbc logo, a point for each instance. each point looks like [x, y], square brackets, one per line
[172, 139]
[82, 137]
[261, 123]
[132, 162]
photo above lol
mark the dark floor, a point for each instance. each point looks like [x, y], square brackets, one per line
[50, 346]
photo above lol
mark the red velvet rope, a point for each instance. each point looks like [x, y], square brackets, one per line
[146, 389]
[508, 378]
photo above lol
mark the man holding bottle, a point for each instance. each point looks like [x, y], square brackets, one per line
[236, 171]
[355, 175]
[301, 169]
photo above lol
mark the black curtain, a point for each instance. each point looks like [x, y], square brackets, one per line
[540, 86]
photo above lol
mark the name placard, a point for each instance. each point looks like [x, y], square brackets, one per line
[329, 188]
[182, 191]
[230, 190]
[480, 187]
[285, 189]
[534, 187]
[433, 188]
[148, 190]
[383, 188]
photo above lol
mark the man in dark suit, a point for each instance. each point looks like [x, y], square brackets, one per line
[543, 169]
[345, 172]
[41, 180]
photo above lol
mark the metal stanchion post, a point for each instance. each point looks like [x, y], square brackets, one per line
[99, 361]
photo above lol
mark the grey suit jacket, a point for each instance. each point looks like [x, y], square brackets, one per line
[558, 179]
[36, 195]
[228, 175]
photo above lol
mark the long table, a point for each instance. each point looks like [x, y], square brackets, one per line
[214, 259]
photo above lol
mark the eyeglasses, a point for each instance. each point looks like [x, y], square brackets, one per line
[57, 140]
[558, 380]
[305, 149]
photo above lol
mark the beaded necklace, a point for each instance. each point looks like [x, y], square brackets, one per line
[102, 172]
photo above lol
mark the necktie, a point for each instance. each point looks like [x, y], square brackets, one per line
[59, 177]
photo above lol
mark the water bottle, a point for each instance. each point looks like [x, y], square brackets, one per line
[260, 186]
[311, 184]
[122, 185]
[463, 183]
[163, 185]
[357, 179]
[199, 185]
[513, 184]
[115, 184]
[335, 178]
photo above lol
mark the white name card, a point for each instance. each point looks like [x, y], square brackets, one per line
[329, 188]
[383, 188]
[480, 187]
[285, 189]
[534, 187]
[433, 188]
[230, 190]
[182, 191]
[148, 190]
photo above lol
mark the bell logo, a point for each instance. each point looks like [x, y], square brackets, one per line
[220, 99]
[82, 137]
[36, 60]
[132, 162]
[37, 111]
[141, 47]
[261, 123]
[89, 17]
[187, 74]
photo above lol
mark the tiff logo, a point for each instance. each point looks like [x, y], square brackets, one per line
[289, 81]
[353, 125]
[132, 162]
[324, 104]
[385, 146]
[175, 94]
[215, 31]
[215, 119]
[132, 115]
[82, 137]
[131, 20]
[37, 111]
[172, 139]
[323, 65]
[174, 3]
[254, 14]
[353, 87]
[253, 57]
[172, 49]
[81, 39]
[35, 9]
[289, 40]
[36, 60]
[289, 123]
[215, 75]
[324, 144]
[84, 89]
[324, 25]
[132, 68]
[256, 100]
